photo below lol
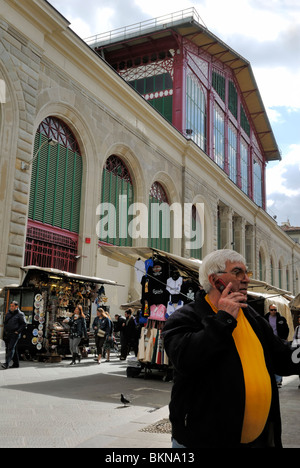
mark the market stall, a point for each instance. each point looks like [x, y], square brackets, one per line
[167, 283]
[47, 297]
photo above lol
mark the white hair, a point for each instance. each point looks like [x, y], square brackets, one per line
[215, 262]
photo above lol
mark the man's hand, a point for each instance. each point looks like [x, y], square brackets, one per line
[231, 301]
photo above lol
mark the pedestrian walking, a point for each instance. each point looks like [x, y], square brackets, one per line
[14, 325]
[77, 331]
[109, 338]
[225, 356]
[130, 335]
[118, 328]
[101, 328]
[280, 328]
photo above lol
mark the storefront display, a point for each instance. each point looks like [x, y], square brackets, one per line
[47, 297]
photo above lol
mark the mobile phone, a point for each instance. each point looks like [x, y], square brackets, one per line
[220, 285]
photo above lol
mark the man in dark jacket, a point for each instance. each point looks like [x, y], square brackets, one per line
[14, 325]
[280, 328]
[224, 356]
[277, 322]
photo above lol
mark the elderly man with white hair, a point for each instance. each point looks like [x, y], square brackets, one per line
[225, 356]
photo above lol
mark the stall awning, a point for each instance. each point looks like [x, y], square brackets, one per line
[295, 303]
[129, 256]
[266, 288]
[67, 275]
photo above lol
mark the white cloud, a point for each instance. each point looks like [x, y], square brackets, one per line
[279, 86]
[276, 175]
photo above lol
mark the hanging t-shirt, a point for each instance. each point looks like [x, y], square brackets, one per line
[140, 269]
[171, 307]
[157, 292]
[158, 274]
[148, 263]
[188, 291]
[174, 286]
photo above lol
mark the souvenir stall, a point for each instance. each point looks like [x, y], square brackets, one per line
[47, 297]
[167, 283]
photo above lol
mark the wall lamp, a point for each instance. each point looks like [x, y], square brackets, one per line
[50, 141]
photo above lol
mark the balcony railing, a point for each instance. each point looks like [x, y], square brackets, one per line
[152, 25]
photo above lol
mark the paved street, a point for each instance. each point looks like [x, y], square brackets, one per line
[55, 405]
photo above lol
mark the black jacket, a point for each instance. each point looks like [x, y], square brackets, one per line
[77, 328]
[281, 325]
[102, 324]
[208, 395]
[14, 322]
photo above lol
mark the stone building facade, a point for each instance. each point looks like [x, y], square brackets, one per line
[46, 70]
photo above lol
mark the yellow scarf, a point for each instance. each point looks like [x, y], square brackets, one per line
[256, 376]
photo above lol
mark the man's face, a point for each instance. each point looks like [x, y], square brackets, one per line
[12, 307]
[236, 273]
[273, 310]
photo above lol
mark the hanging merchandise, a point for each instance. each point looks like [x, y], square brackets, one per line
[158, 312]
[47, 297]
[174, 284]
[172, 307]
[188, 291]
[140, 269]
[168, 283]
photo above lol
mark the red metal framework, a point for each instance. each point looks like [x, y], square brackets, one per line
[50, 248]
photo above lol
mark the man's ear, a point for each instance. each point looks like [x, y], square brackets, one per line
[212, 279]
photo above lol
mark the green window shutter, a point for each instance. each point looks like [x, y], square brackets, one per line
[55, 193]
[232, 99]
[218, 82]
[157, 227]
[244, 121]
[113, 186]
[77, 183]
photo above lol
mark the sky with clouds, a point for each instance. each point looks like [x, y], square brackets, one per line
[266, 33]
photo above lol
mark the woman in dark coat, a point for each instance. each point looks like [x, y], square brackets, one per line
[101, 327]
[77, 331]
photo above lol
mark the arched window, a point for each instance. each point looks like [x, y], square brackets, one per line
[117, 196]
[55, 194]
[159, 218]
[55, 198]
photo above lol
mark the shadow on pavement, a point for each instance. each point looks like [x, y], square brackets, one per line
[103, 388]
